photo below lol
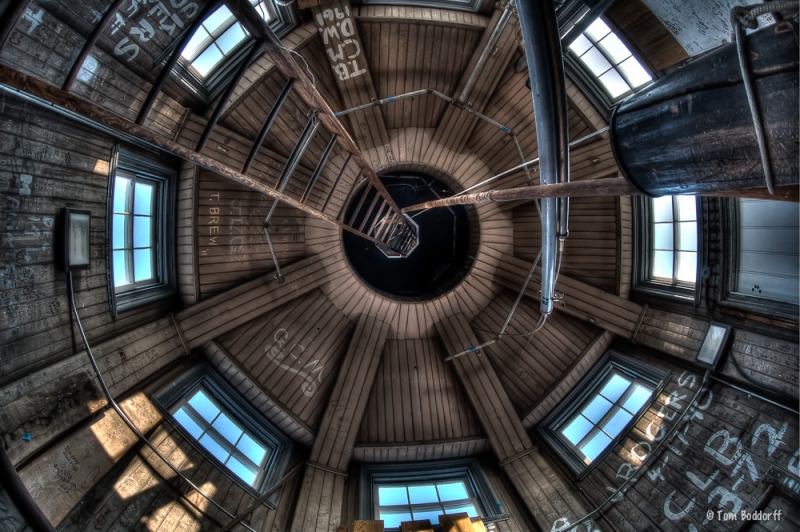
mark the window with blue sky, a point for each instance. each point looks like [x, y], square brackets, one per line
[674, 239]
[221, 435]
[418, 501]
[605, 415]
[134, 231]
[218, 37]
[604, 54]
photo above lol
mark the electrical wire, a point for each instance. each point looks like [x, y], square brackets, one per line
[124, 416]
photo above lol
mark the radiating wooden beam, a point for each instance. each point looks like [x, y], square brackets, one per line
[166, 70]
[345, 53]
[89, 44]
[530, 473]
[317, 508]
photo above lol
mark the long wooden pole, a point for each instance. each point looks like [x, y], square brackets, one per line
[614, 186]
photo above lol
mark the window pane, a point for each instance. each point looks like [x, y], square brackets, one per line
[617, 422]
[637, 399]
[452, 491]
[687, 266]
[212, 446]
[662, 209]
[188, 423]
[122, 189]
[231, 38]
[614, 83]
[596, 61]
[207, 60]
[252, 449]
[596, 409]
[595, 446]
[241, 470]
[227, 428]
[392, 496]
[141, 231]
[468, 509]
[577, 430]
[121, 273]
[687, 236]
[635, 72]
[143, 199]
[580, 45]
[614, 48]
[598, 30]
[662, 238]
[195, 43]
[662, 264]
[120, 231]
[217, 19]
[393, 519]
[615, 387]
[421, 494]
[430, 515]
[142, 265]
[203, 405]
[686, 207]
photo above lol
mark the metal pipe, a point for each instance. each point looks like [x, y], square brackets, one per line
[520, 294]
[335, 183]
[318, 169]
[471, 350]
[122, 414]
[223, 101]
[278, 274]
[528, 176]
[487, 52]
[383, 101]
[89, 44]
[273, 114]
[163, 75]
[294, 160]
[546, 68]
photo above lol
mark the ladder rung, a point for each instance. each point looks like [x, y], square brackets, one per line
[342, 211]
[369, 211]
[377, 218]
[318, 170]
[273, 114]
[336, 182]
[359, 205]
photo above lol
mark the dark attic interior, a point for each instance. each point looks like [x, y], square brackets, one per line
[402, 265]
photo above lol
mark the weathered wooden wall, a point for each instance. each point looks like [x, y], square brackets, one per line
[417, 408]
[48, 163]
[727, 450]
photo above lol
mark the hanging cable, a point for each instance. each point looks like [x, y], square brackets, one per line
[124, 416]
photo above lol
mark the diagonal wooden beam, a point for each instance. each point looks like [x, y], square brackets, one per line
[317, 508]
[47, 95]
[247, 15]
[541, 488]
[224, 312]
[345, 54]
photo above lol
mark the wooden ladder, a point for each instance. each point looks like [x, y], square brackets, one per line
[376, 217]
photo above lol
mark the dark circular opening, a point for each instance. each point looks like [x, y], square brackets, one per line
[447, 243]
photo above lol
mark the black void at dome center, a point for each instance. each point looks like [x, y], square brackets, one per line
[444, 253]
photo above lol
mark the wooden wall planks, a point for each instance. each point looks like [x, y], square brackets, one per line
[293, 353]
[230, 240]
[590, 252]
[186, 235]
[699, 464]
[434, 44]
[417, 400]
[49, 163]
[528, 366]
[768, 361]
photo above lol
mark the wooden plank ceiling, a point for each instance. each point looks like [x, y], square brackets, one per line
[283, 344]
